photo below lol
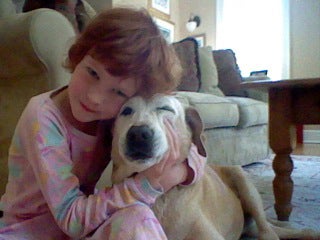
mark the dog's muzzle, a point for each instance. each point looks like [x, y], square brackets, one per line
[140, 143]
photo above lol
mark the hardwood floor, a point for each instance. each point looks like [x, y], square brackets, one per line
[307, 149]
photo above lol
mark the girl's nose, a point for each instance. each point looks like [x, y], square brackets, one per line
[96, 95]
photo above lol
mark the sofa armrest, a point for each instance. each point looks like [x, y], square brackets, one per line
[256, 94]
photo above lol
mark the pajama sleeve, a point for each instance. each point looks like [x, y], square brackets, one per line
[44, 139]
[197, 164]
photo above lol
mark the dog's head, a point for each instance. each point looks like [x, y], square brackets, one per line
[139, 136]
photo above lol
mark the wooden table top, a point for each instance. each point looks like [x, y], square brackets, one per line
[285, 83]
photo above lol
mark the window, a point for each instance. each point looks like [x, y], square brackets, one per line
[258, 32]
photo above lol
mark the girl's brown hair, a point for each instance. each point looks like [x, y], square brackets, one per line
[130, 44]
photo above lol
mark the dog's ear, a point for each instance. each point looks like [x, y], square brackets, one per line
[194, 121]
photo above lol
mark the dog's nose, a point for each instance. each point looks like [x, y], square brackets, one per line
[140, 133]
[140, 142]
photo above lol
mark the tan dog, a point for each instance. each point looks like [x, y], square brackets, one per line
[213, 208]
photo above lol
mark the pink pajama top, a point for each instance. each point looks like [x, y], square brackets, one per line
[43, 199]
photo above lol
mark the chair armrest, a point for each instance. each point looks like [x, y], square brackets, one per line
[52, 34]
[34, 42]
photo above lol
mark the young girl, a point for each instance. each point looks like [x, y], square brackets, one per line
[60, 146]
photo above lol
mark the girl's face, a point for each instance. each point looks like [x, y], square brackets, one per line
[95, 94]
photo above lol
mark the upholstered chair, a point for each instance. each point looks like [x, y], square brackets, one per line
[33, 47]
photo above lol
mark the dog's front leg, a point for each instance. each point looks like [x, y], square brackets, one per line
[250, 200]
[204, 230]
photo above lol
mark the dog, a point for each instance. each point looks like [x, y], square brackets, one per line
[223, 204]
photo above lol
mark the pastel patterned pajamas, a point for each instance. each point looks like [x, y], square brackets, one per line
[43, 199]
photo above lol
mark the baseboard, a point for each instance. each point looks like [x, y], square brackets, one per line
[311, 136]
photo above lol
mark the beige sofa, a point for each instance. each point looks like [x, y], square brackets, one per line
[32, 48]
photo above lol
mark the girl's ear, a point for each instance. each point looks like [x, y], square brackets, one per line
[194, 121]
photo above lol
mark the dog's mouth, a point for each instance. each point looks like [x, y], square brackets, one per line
[140, 143]
[138, 156]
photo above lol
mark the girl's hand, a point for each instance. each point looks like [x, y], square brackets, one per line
[171, 170]
[196, 164]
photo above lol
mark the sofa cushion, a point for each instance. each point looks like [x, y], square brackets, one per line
[187, 51]
[209, 73]
[228, 73]
[252, 112]
[214, 111]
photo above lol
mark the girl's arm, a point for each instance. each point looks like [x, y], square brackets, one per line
[46, 145]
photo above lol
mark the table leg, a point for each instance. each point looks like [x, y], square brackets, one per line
[299, 133]
[283, 186]
[281, 138]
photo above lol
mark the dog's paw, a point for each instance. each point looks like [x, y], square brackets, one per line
[310, 234]
[268, 235]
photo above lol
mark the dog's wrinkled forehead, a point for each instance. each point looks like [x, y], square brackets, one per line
[142, 110]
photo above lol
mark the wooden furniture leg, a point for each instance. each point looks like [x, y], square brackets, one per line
[300, 133]
[292, 102]
[281, 132]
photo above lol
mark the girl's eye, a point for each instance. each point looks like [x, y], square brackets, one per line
[126, 111]
[93, 73]
[120, 93]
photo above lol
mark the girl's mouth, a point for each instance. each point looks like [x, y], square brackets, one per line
[86, 108]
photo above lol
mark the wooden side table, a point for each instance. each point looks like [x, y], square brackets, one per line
[291, 102]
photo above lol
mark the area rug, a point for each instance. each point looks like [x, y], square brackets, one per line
[306, 194]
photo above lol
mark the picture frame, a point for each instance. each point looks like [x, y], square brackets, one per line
[201, 39]
[166, 28]
[160, 8]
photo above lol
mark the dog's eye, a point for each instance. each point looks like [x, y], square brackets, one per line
[126, 111]
[166, 108]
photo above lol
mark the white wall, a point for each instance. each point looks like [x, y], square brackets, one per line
[304, 31]
[206, 10]
[305, 38]
[135, 3]
[98, 5]
[305, 49]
